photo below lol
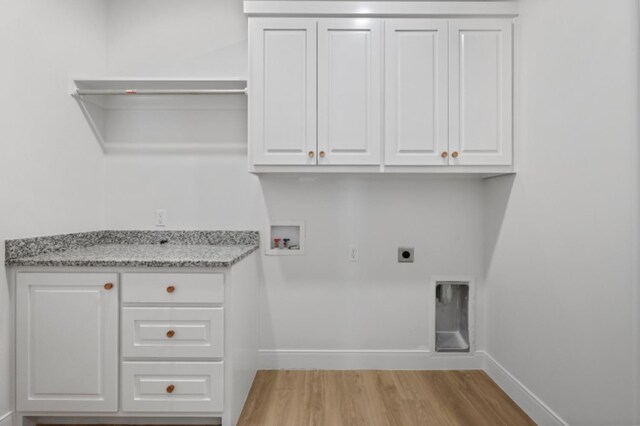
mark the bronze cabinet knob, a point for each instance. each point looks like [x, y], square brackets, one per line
[171, 289]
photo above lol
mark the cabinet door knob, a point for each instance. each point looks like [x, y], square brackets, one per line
[444, 154]
[170, 388]
[171, 289]
[108, 286]
[311, 154]
[322, 154]
[170, 334]
[455, 154]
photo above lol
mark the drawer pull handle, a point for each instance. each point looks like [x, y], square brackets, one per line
[170, 334]
[170, 388]
[171, 289]
[108, 286]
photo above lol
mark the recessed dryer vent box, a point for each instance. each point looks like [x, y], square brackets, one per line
[285, 239]
[454, 320]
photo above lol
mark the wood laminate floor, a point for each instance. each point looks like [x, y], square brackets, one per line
[378, 398]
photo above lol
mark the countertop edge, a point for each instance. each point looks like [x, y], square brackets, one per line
[17, 249]
[27, 262]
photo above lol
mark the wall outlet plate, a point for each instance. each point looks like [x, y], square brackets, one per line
[161, 218]
[405, 254]
[354, 254]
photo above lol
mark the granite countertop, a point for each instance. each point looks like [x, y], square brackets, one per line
[204, 249]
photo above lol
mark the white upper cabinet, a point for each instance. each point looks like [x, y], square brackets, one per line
[349, 91]
[67, 342]
[416, 92]
[282, 91]
[377, 90]
[480, 115]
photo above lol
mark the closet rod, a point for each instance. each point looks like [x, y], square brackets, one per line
[81, 92]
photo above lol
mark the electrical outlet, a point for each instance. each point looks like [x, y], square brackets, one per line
[354, 254]
[405, 254]
[161, 218]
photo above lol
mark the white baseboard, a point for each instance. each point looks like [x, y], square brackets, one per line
[7, 419]
[530, 404]
[366, 360]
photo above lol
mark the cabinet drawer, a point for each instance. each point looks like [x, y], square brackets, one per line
[172, 288]
[173, 332]
[176, 387]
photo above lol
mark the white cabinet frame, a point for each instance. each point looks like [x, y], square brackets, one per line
[240, 358]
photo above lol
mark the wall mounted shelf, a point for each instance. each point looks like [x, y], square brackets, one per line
[130, 116]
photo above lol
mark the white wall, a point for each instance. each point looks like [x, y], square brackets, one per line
[170, 38]
[50, 165]
[319, 301]
[559, 241]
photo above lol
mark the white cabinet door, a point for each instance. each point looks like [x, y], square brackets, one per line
[282, 91]
[349, 91]
[67, 342]
[416, 91]
[481, 91]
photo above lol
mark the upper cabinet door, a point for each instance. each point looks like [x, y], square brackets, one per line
[416, 91]
[282, 91]
[349, 91]
[67, 342]
[481, 92]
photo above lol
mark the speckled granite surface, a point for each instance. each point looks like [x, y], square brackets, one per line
[210, 249]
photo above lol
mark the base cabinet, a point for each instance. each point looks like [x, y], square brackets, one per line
[135, 342]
